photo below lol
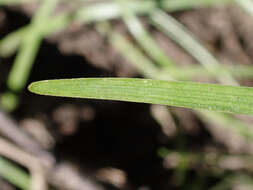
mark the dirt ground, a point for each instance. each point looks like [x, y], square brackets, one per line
[115, 144]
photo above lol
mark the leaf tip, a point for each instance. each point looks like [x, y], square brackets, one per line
[33, 87]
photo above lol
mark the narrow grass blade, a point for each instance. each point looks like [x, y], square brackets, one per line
[129, 51]
[13, 2]
[247, 5]
[111, 10]
[222, 98]
[202, 160]
[190, 4]
[23, 62]
[185, 38]
[8, 101]
[14, 174]
[29, 47]
[143, 37]
[242, 180]
[228, 122]
[192, 72]
[145, 66]
[10, 43]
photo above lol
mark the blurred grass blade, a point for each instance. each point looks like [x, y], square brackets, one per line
[23, 62]
[9, 101]
[143, 37]
[241, 180]
[190, 4]
[29, 47]
[111, 10]
[128, 50]
[247, 5]
[145, 66]
[202, 159]
[228, 122]
[222, 98]
[183, 37]
[192, 72]
[14, 174]
[13, 2]
[10, 43]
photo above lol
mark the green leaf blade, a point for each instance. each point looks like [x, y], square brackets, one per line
[213, 97]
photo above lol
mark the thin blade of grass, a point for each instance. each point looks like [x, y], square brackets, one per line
[129, 51]
[239, 180]
[222, 98]
[172, 28]
[190, 4]
[246, 5]
[23, 62]
[10, 43]
[228, 122]
[14, 174]
[143, 37]
[192, 72]
[111, 10]
[145, 66]
[13, 2]
[29, 46]
[204, 157]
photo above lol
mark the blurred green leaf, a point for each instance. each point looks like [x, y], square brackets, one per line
[29, 46]
[247, 5]
[143, 37]
[10, 43]
[12, 2]
[110, 10]
[14, 174]
[177, 32]
[190, 4]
